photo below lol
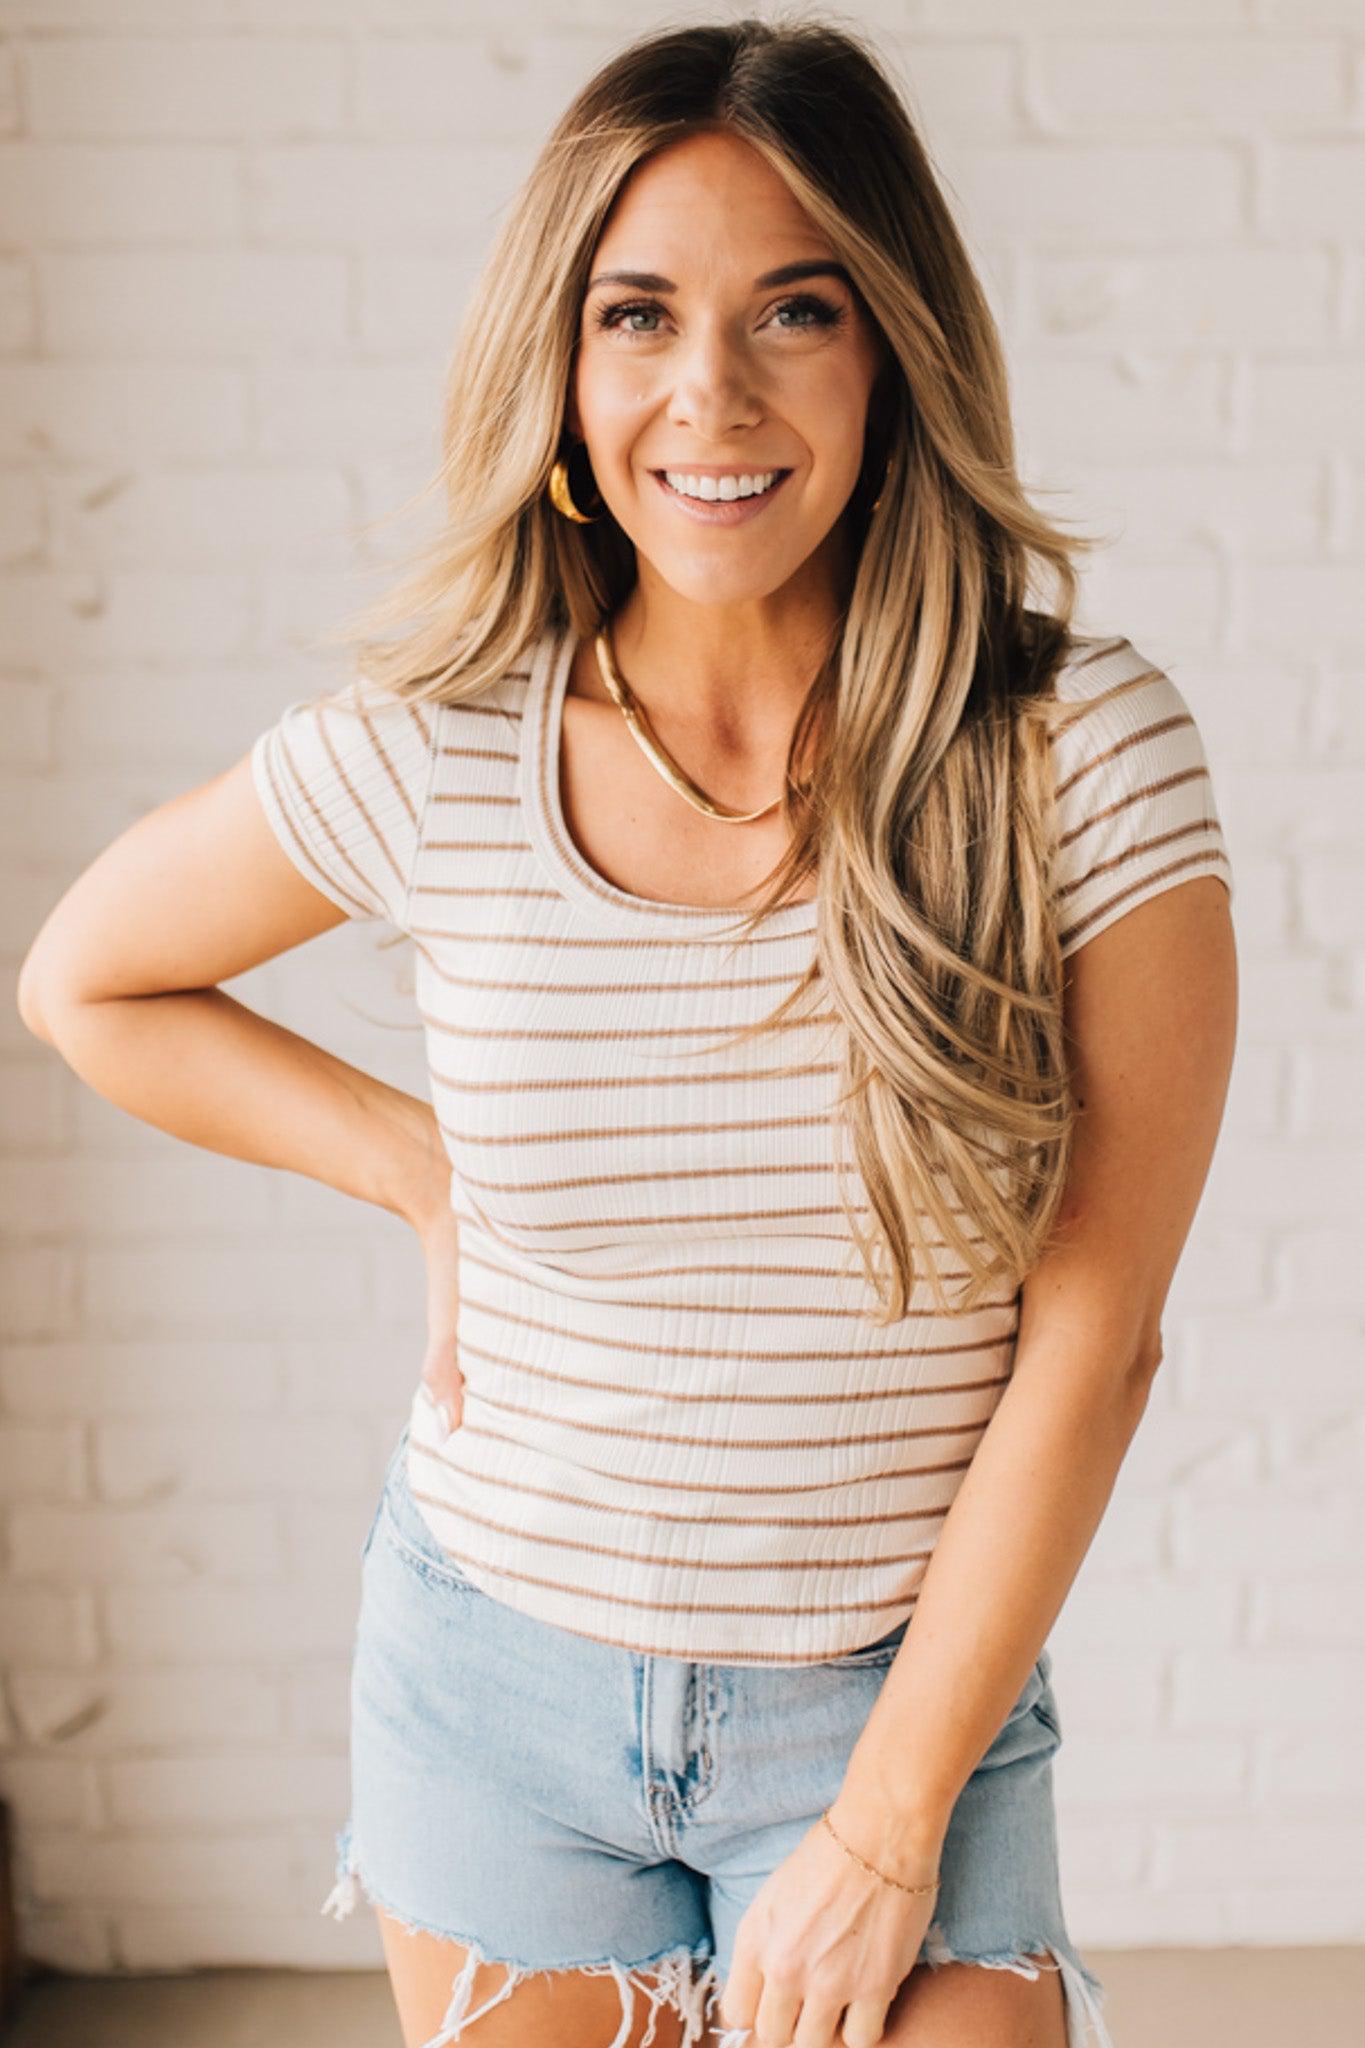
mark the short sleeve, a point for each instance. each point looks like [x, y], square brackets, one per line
[1134, 807]
[343, 779]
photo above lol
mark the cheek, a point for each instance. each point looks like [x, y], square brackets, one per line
[608, 395]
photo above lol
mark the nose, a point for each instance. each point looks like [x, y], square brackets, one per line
[714, 392]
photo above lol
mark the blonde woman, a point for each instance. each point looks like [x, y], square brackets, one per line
[829, 991]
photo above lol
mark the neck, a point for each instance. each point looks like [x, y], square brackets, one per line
[737, 675]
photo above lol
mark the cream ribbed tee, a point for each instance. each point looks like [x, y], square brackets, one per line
[679, 1433]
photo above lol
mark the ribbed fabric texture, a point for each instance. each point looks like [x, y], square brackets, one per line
[344, 788]
[679, 1433]
[1134, 803]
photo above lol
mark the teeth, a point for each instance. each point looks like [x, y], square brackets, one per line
[720, 486]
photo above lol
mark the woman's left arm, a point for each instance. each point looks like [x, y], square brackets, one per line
[1150, 1015]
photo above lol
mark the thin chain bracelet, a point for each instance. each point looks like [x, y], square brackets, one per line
[915, 1888]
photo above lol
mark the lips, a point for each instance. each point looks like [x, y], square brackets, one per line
[721, 511]
[760, 469]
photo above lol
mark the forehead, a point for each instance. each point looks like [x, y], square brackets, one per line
[712, 205]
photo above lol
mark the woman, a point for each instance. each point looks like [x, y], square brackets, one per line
[809, 1247]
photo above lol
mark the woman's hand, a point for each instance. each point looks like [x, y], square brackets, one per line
[824, 1934]
[438, 1232]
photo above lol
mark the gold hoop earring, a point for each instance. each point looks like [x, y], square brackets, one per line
[561, 497]
[882, 492]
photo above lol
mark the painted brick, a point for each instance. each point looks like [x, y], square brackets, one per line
[238, 237]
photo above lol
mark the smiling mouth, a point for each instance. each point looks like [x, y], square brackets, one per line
[722, 511]
[770, 469]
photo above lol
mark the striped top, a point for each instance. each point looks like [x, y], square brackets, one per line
[679, 1433]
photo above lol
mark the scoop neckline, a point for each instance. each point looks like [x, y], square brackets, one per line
[541, 729]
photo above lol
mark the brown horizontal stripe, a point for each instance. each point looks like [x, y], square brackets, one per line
[747, 1490]
[1098, 652]
[580, 1134]
[1137, 851]
[828, 1607]
[714, 1171]
[747, 1356]
[477, 796]
[1094, 762]
[502, 891]
[710, 1271]
[477, 707]
[834, 1311]
[559, 1543]
[690, 1219]
[710, 1518]
[499, 846]
[535, 1085]
[481, 889]
[1076, 710]
[1175, 867]
[1131, 797]
[732, 1444]
[559, 942]
[652, 1177]
[705, 985]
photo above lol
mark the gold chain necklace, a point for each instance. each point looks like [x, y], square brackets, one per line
[633, 713]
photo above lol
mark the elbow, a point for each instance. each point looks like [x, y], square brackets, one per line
[1143, 1362]
[29, 1003]
[36, 1002]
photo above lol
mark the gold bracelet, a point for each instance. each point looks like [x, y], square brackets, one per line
[915, 1888]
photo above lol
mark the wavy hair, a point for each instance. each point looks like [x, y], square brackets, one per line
[928, 811]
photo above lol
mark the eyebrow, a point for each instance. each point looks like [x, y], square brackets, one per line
[786, 273]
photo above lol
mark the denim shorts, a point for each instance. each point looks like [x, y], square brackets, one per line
[551, 1802]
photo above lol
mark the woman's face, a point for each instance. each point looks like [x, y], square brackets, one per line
[704, 369]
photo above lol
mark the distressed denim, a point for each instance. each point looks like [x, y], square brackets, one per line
[555, 1803]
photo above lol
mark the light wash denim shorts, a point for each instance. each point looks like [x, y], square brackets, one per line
[552, 1802]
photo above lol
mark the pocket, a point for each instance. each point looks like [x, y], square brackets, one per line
[407, 1533]
[870, 1656]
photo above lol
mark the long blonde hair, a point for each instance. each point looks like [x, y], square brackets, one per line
[929, 819]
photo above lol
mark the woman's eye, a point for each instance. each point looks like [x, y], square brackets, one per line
[823, 313]
[612, 316]
[820, 312]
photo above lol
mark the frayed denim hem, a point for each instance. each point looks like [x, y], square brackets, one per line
[1084, 1993]
[694, 1995]
[677, 1983]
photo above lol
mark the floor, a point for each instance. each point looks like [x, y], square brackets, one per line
[1157, 1998]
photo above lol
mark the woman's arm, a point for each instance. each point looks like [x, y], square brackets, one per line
[1151, 1018]
[206, 1068]
[120, 980]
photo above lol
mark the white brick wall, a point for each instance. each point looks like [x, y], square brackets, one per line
[234, 235]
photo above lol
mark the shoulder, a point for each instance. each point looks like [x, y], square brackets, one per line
[1134, 808]
[342, 777]
[364, 741]
[1119, 716]
[346, 777]
[1104, 677]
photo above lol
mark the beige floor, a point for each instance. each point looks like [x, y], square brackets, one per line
[1157, 1998]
